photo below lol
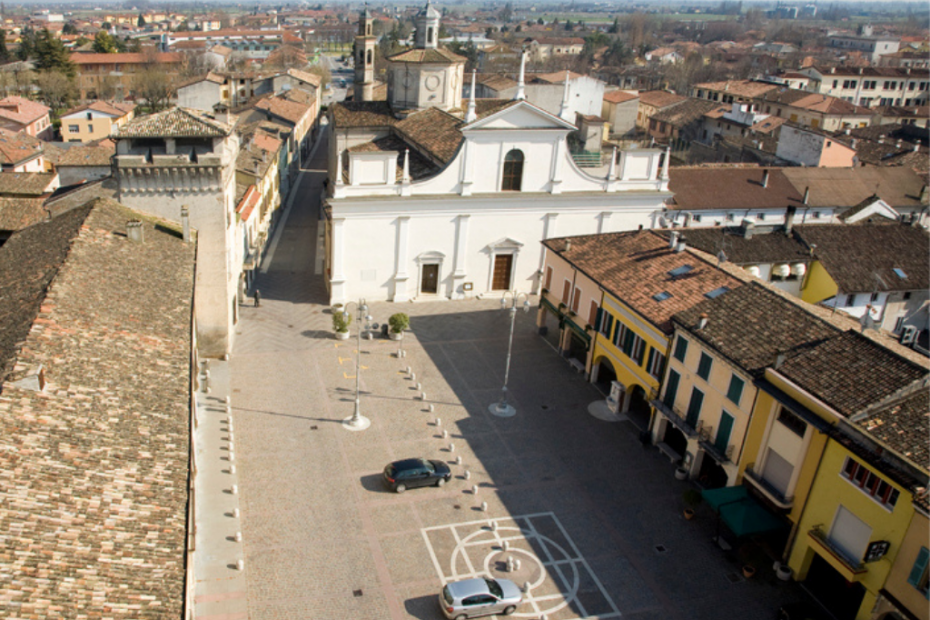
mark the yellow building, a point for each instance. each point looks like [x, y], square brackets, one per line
[907, 588]
[620, 290]
[95, 121]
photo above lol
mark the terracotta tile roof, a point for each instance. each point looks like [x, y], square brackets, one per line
[634, 267]
[768, 247]
[740, 88]
[768, 125]
[257, 155]
[17, 147]
[847, 187]
[850, 372]
[556, 77]
[685, 112]
[619, 96]
[18, 213]
[496, 82]
[435, 55]
[815, 102]
[434, 130]
[114, 108]
[855, 256]
[420, 167]
[731, 188]
[305, 76]
[87, 155]
[211, 76]
[751, 325]
[21, 110]
[660, 98]
[904, 427]
[362, 114]
[26, 183]
[97, 517]
[127, 58]
[291, 111]
[174, 123]
[247, 203]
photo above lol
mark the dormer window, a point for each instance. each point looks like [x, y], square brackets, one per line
[512, 180]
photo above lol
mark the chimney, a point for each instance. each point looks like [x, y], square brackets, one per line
[748, 228]
[897, 144]
[134, 231]
[917, 148]
[682, 244]
[765, 178]
[881, 140]
[807, 195]
[832, 69]
[672, 240]
[779, 360]
[860, 70]
[258, 170]
[789, 218]
[185, 224]
[221, 113]
[264, 156]
[568, 246]
[702, 322]
[925, 194]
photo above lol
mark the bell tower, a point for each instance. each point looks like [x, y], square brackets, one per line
[427, 28]
[364, 57]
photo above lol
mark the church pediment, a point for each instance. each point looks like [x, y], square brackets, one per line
[505, 243]
[521, 115]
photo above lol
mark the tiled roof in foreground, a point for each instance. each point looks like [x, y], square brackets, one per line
[94, 468]
[174, 123]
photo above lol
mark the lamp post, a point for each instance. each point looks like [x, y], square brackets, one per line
[357, 422]
[502, 408]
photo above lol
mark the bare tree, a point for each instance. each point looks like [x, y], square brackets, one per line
[323, 72]
[155, 87]
[107, 87]
[57, 89]
[194, 64]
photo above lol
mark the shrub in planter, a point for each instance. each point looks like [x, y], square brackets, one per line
[341, 321]
[399, 322]
[691, 497]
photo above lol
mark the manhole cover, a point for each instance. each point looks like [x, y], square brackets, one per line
[291, 326]
[545, 407]
[734, 577]
[314, 428]
[236, 390]
[356, 593]
[660, 549]
[456, 507]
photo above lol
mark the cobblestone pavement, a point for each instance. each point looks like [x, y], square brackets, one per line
[595, 515]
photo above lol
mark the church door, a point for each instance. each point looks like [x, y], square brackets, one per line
[500, 280]
[429, 283]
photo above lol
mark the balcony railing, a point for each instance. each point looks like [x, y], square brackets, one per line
[855, 569]
[677, 421]
[707, 442]
[774, 495]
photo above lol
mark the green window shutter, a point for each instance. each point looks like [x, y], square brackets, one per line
[920, 565]
[735, 392]
[671, 389]
[652, 354]
[704, 366]
[597, 319]
[694, 407]
[723, 432]
[681, 349]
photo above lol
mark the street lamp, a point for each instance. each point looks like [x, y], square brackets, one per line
[502, 408]
[357, 422]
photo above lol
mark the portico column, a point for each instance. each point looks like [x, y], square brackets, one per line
[459, 269]
[338, 281]
[400, 259]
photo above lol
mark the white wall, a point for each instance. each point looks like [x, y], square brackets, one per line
[800, 147]
[201, 95]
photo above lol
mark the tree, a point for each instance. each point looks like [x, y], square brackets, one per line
[69, 29]
[107, 87]
[506, 13]
[27, 44]
[614, 27]
[51, 54]
[104, 43]
[56, 89]
[141, 21]
[4, 52]
[155, 87]
[324, 74]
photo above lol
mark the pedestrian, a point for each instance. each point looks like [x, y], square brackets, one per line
[257, 296]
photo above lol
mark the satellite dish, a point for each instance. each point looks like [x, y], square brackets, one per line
[663, 222]
[721, 257]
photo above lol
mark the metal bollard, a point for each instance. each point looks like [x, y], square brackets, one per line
[493, 526]
[505, 546]
[431, 408]
[451, 447]
[232, 456]
[240, 565]
[238, 536]
[438, 421]
[458, 460]
[467, 475]
[235, 513]
[422, 395]
[474, 490]
[516, 563]
[228, 400]
[418, 386]
[484, 506]
[232, 469]
[235, 489]
[526, 587]
[445, 434]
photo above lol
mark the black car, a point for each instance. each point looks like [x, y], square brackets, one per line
[410, 473]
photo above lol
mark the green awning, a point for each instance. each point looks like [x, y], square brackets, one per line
[743, 514]
[548, 304]
[578, 330]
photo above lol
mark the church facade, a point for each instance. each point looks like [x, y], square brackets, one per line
[430, 198]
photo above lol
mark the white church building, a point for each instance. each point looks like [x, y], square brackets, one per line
[432, 199]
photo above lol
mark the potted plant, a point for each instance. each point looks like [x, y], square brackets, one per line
[748, 571]
[398, 322]
[691, 497]
[341, 322]
[783, 571]
[681, 473]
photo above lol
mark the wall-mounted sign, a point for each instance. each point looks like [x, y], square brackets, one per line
[876, 550]
[467, 286]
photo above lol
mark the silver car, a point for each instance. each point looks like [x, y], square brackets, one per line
[479, 597]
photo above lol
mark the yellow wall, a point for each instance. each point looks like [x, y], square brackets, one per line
[916, 537]
[830, 490]
[87, 130]
[763, 414]
[629, 373]
[819, 285]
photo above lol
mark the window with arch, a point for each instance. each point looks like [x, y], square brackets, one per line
[361, 56]
[368, 29]
[369, 57]
[429, 35]
[513, 171]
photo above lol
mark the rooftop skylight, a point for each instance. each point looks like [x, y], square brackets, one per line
[717, 292]
[680, 271]
[662, 296]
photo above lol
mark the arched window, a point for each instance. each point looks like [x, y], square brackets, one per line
[513, 171]
[361, 57]
[369, 57]
[368, 30]
[429, 36]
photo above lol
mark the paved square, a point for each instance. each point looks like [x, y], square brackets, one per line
[561, 583]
